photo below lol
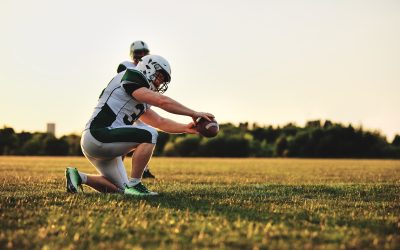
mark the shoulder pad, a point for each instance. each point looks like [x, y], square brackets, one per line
[125, 65]
[132, 75]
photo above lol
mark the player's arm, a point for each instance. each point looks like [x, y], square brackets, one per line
[167, 125]
[166, 103]
[136, 85]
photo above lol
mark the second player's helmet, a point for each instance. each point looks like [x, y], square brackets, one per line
[138, 48]
[149, 65]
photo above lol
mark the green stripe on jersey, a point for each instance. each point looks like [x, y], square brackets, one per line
[104, 118]
[108, 135]
[135, 76]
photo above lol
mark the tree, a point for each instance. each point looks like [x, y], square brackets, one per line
[54, 146]
[313, 140]
[23, 138]
[396, 141]
[162, 140]
[34, 146]
[169, 149]
[8, 141]
[327, 124]
[281, 146]
[187, 146]
[230, 146]
[74, 144]
[313, 124]
[290, 129]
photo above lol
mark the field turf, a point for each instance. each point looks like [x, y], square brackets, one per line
[206, 204]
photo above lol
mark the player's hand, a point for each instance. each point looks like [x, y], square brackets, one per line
[205, 115]
[191, 128]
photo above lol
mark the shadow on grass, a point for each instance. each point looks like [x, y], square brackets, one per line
[258, 205]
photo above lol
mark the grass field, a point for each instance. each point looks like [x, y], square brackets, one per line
[206, 204]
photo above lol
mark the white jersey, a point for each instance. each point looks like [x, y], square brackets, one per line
[116, 107]
[124, 66]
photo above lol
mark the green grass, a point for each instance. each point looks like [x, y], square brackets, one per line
[206, 204]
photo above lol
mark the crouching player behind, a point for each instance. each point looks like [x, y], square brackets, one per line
[112, 132]
[138, 50]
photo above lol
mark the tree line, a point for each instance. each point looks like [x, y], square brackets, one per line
[315, 140]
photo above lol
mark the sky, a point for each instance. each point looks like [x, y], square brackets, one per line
[269, 62]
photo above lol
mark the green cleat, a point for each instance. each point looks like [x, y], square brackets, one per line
[73, 180]
[138, 190]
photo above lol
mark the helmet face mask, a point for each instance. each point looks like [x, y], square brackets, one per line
[138, 54]
[162, 88]
[160, 79]
[139, 49]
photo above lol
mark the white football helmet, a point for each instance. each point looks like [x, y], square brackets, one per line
[139, 46]
[149, 65]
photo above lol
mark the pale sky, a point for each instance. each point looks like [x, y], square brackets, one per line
[270, 62]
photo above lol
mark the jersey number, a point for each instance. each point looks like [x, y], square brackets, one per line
[130, 119]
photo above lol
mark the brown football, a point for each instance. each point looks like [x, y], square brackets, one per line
[207, 128]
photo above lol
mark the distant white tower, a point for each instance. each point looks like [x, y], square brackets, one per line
[51, 128]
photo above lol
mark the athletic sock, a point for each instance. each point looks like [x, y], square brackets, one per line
[83, 177]
[134, 181]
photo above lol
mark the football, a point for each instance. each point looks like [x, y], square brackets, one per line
[207, 128]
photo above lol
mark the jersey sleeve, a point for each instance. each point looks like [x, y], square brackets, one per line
[133, 80]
